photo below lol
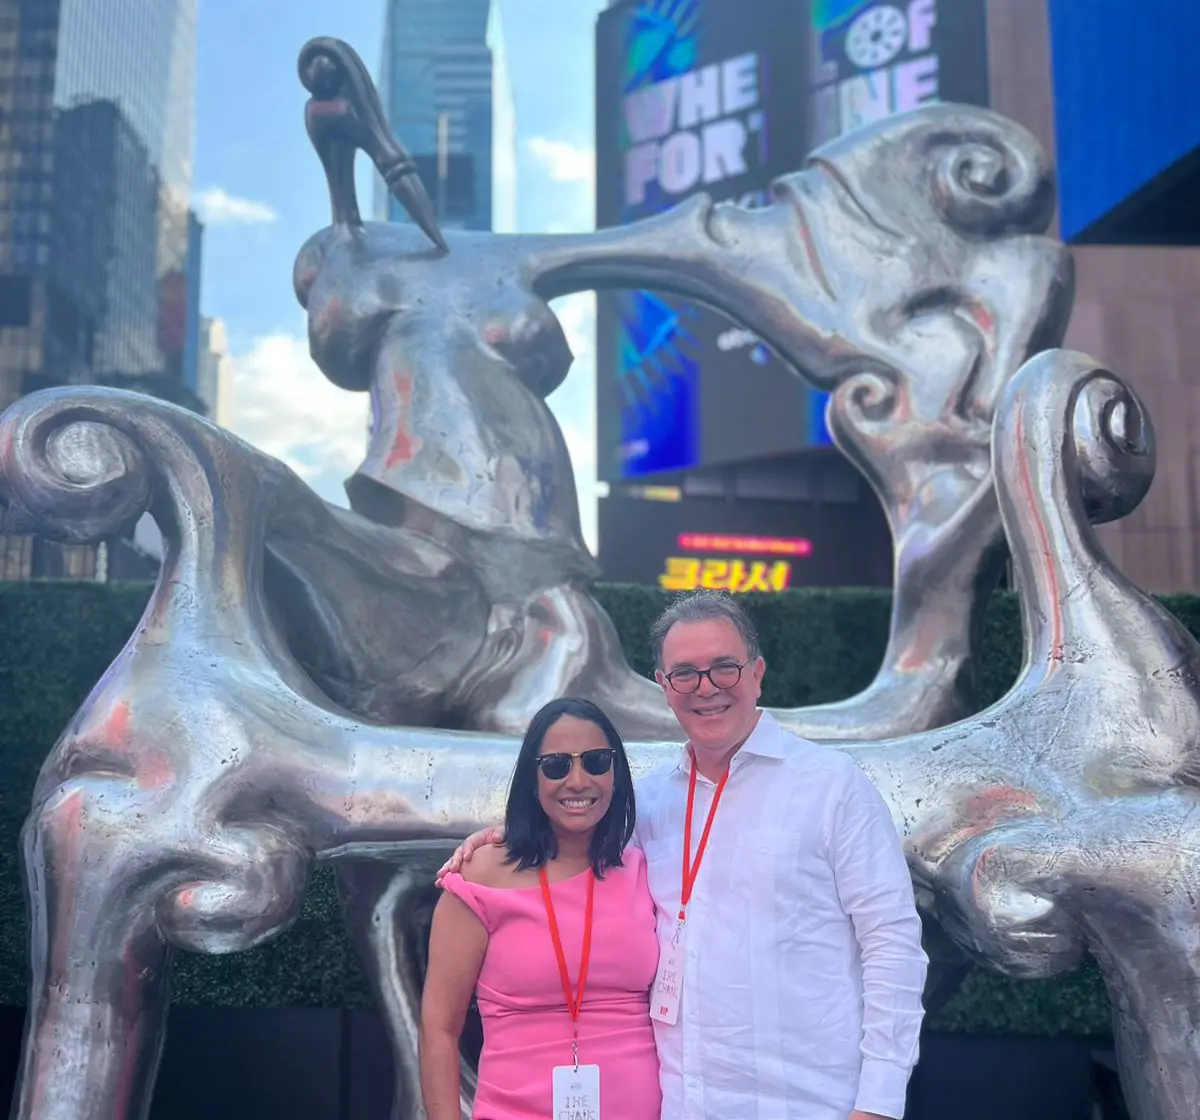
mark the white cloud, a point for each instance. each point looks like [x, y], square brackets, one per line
[577, 314]
[217, 207]
[282, 403]
[563, 161]
[574, 404]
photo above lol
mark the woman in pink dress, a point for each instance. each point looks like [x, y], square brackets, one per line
[554, 933]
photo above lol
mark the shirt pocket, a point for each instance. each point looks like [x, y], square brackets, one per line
[784, 873]
[758, 867]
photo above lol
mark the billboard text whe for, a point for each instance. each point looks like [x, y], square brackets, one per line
[720, 97]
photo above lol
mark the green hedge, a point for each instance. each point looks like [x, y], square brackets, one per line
[58, 638]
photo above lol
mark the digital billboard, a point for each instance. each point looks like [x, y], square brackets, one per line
[1127, 120]
[723, 96]
[692, 95]
[743, 546]
[869, 60]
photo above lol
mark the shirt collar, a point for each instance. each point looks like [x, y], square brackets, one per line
[765, 741]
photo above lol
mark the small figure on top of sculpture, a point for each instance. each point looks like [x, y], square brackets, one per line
[790, 966]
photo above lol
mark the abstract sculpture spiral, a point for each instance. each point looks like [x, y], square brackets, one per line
[309, 683]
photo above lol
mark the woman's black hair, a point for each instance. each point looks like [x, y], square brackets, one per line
[527, 833]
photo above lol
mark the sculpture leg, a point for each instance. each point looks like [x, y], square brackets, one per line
[1150, 958]
[388, 926]
[1121, 883]
[99, 991]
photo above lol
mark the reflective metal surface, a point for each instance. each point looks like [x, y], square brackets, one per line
[186, 803]
[1065, 819]
[241, 733]
[904, 270]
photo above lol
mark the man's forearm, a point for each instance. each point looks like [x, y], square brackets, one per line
[875, 888]
[893, 970]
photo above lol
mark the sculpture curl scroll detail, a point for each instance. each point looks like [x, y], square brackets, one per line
[261, 717]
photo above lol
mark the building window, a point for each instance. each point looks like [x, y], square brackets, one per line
[16, 299]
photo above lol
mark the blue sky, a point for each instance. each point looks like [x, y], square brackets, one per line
[260, 188]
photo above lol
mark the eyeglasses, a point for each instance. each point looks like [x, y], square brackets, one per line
[555, 767]
[720, 676]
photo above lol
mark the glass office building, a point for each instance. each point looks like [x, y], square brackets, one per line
[438, 82]
[504, 131]
[99, 254]
[97, 248]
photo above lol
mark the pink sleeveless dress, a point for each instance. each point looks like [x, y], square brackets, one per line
[526, 1025]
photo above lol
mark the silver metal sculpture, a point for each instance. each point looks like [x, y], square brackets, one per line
[905, 271]
[243, 732]
[188, 800]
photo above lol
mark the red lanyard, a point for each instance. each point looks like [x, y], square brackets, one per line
[574, 1000]
[691, 870]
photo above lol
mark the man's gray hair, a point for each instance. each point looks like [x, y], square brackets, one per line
[704, 606]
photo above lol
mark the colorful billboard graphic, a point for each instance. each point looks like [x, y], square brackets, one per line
[743, 546]
[871, 60]
[692, 95]
[723, 96]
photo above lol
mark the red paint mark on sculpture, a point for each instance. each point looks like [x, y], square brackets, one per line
[1043, 553]
[333, 107]
[920, 654]
[116, 727]
[405, 445]
[979, 813]
[494, 334]
[329, 314]
[989, 807]
[154, 770]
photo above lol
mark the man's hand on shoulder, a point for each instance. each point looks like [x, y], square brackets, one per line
[462, 854]
[490, 867]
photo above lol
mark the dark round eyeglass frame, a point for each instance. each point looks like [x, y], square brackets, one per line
[700, 674]
[596, 762]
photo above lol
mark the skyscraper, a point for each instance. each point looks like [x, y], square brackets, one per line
[99, 253]
[213, 381]
[504, 131]
[438, 84]
[95, 178]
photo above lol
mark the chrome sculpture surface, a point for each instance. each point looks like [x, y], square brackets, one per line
[294, 689]
[905, 270]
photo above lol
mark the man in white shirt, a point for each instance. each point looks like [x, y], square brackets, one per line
[803, 967]
[791, 966]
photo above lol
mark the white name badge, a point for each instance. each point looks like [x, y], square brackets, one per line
[576, 1093]
[668, 983]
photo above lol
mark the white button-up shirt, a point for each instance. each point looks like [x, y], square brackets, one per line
[804, 970]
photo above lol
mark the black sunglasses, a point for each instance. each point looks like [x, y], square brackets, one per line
[555, 767]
